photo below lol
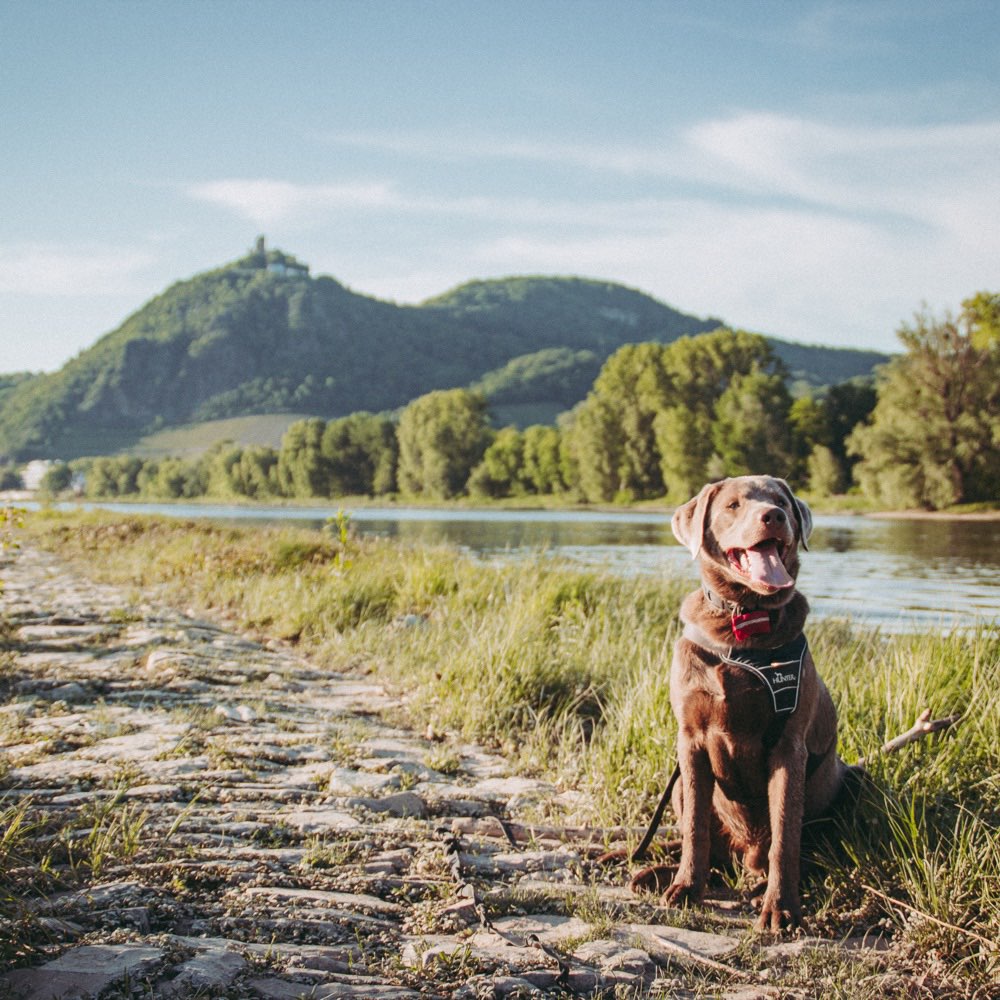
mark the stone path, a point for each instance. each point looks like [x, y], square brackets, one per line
[287, 843]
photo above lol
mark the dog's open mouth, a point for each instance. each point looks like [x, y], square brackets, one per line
[763, 564]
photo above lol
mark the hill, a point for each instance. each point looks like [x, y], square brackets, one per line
[263, 336]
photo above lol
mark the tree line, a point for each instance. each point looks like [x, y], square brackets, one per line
[658, 422]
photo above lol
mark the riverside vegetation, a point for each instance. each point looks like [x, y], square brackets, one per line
[565, 673]
[658, 422]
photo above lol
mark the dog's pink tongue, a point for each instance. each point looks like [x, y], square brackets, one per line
[766, 567]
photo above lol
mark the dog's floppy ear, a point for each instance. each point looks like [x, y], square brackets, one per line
[688, 522]
[803, 515]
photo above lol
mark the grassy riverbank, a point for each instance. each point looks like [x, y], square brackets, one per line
[566, 672]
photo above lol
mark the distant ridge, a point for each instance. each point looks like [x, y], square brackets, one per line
[261, 335]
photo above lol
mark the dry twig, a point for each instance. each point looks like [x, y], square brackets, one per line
[924, 726]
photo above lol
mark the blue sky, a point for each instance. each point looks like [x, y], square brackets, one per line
[814, 170]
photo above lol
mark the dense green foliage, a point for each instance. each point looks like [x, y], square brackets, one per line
[660, 419]
[557, 374]
[934, 436]
[262, 336]
[442, 436]
[664, 418]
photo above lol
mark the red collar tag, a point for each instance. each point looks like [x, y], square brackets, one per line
[754, 623]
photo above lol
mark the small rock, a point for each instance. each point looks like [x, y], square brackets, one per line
[401, 804]
[675, 943]
[344, 781]
[320, 820]
[236, 713]
[71, 692]
[613, 956]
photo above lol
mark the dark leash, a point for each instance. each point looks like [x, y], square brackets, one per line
[640, 852]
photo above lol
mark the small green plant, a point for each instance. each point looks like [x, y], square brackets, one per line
[444, 759]
[104, 834]
[339, 527]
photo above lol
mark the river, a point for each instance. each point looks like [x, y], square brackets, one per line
[899, 574]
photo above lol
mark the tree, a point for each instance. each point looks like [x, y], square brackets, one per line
[500, 473]
[750, 431]
[360, 452]
[824, 474]
[303, 470]
[57, 479]
[932, 439]
[442, 436]
[982, 314]
[10, 479]
[614, 429]
[701, 371]
[543, 469]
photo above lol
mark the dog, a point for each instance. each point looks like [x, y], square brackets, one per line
[757, 729]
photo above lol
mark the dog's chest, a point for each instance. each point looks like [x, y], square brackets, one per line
[738, 702]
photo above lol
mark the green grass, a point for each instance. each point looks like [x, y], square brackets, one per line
[566, 672]
[192, 440]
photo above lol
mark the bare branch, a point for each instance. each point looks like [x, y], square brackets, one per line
[924, 726]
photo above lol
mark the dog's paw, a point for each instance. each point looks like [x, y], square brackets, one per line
[777, 915]
[682, 894]
[653, 879]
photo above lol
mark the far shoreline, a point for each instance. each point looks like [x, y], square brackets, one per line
[14, 497]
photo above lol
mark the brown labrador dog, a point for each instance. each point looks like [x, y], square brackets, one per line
[757, 728]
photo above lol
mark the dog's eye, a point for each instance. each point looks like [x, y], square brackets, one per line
[733, 506]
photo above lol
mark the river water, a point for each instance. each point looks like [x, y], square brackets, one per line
[899, 574]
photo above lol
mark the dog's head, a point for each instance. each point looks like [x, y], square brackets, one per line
[746, 531]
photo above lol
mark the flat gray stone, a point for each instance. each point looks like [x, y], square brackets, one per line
[71, 692]
[664, 942]
[615, 956]
[83, 972]
[401, 804]
[139, 746]
[522, 791]
[50, 633]
[345, 781]
[519, 862]
[273, 988]
[214, 968]
[320, 820]
[322, 897]
[549, 928]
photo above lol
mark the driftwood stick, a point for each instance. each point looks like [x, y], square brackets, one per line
[924, 726]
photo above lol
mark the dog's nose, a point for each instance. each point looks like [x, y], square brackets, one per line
[774, 515]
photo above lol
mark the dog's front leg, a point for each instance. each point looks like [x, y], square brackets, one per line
[696, 786]
[780, 908]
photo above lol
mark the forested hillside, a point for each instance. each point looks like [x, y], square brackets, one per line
[261, 335]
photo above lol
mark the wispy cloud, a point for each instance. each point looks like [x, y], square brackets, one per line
[266, 201]
[846, 167]
[70, 270]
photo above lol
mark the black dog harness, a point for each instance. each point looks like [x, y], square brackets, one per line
[780, 670]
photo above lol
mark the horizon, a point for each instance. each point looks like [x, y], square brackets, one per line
[814, 173]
